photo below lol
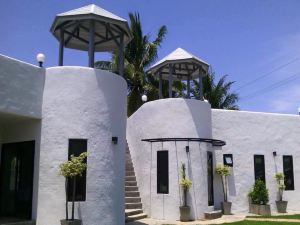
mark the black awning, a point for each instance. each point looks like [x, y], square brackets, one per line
[214, 142]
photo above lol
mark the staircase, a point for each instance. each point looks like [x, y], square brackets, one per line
[133, 204]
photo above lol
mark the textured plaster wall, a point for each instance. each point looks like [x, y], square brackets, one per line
[249, 133]
[19, 130]
[81, 102]
[21, 87]
[169, 118]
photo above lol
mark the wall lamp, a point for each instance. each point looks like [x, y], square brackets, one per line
[114, 140]
[274, 153]
[187, 149]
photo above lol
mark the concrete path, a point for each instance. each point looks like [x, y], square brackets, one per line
[223, 219]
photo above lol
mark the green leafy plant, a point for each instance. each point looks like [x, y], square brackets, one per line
[280, 184]
[224, 172]
[185, 183]
[259, 193]
[70, 170]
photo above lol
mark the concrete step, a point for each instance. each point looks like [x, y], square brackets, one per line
[213, 215]
[130, 183]
[130, 212]
[132, 194]
[131, 188]
[133, 205]
[132, 200]
[130, 173]
[129, 168]
[130, 178]
[135, 217]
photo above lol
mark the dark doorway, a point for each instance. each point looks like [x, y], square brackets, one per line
[210, 178]
[16, 180]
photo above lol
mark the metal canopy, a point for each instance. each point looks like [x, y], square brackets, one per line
[214, 142]
[92, 29]
[184, 65]
[180, 65]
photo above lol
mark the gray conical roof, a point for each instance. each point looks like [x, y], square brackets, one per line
[77, 22]
[184, 63]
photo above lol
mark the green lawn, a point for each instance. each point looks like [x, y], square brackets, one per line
[248, 222]
[295, 216]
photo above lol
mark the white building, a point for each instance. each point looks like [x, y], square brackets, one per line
[48, 114]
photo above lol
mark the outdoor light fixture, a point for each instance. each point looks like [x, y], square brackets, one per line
[274, 153]
[114, 140]
[228, 160]
[41, 59]
[144, 98]
[187, 149]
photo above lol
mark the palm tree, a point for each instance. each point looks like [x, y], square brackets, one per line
[139, 54]
[218, 94]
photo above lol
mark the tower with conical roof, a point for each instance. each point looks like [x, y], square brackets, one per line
[93, 29]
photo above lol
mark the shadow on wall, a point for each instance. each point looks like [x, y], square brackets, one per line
[199, 110]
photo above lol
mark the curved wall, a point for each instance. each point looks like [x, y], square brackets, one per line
[169, 118]
[86, 103]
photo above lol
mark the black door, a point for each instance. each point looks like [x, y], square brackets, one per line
[16, 179]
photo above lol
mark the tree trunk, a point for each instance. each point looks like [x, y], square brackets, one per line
[66, 190]
[223, 187]
[73, 197]
[184, 197]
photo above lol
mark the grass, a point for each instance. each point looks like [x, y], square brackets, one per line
[295, 216]
[248, 222]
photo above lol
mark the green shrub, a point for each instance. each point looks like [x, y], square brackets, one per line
[259, 193]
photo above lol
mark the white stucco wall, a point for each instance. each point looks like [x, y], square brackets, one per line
[21, 87]
[249, 133]
[81, 102]
[171, 118]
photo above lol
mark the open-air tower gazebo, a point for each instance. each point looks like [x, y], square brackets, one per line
[93, 29]
[180, 65]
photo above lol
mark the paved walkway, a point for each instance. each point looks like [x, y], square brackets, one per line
[223, 219]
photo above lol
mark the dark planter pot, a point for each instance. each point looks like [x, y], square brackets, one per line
[185, 213]
[263, 210]
[226, 208]
[281, 206]
[70, 222]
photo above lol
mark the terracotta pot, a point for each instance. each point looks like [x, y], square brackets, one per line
[184, 213]
[226, 208]
[281, 206]
[70, 222]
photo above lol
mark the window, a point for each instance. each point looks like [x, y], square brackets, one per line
[288, 172]
[210, 178]
[228, 160]
[259, 167]
[76, 147]
[162, 172]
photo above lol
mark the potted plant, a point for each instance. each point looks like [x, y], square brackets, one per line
[70, 170]
[259, 197]
[185, 184]
[281, 205]
[224, 172]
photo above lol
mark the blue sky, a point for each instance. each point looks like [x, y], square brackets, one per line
[241, 38]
